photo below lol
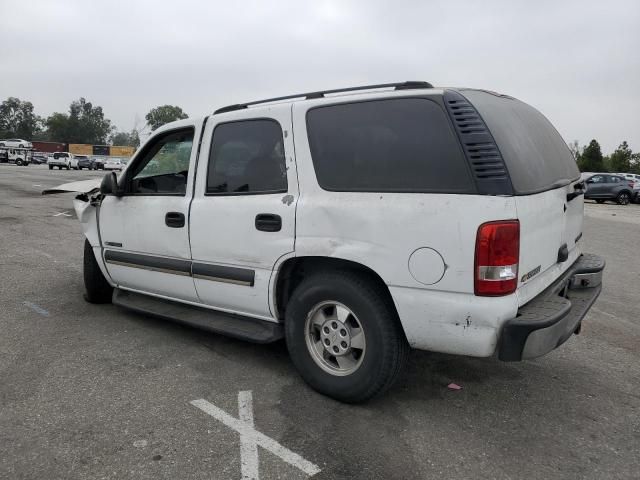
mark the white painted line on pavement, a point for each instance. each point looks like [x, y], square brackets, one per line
[65, 213]
[250, 438]
[248, 449]
[36, 308]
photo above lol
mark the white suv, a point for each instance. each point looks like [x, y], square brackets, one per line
[60, 160]
[354, 225]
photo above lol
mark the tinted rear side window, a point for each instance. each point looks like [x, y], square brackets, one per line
[395, 145]
[536, 156]
[247, 157]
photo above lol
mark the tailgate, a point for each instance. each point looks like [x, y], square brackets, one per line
[550, 232]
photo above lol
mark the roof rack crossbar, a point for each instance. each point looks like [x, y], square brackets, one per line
[320, 94]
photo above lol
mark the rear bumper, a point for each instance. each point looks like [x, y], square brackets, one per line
[548, 320]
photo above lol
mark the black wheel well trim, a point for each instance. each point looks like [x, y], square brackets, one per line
[295, 269]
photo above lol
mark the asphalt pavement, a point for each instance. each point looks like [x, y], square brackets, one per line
[97, 392]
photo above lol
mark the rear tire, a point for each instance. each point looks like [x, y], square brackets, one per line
[364, 314]
[50, 167]
[97, 289]
[623, 198]
[600, 201]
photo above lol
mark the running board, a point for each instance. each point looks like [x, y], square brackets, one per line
[236, 326]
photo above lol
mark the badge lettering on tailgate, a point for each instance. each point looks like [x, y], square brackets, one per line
[527, 276]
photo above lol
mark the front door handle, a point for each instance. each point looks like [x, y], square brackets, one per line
[268, 222]
[174, 219]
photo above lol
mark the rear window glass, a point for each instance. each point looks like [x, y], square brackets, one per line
[536, 156]
[395, 145]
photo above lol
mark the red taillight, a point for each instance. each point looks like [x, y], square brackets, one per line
[497, 253]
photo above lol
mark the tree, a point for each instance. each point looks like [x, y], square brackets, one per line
[621, 158]
[591, 158]
[18, 120]
[164, 114]
[57, 127]
[126, 139]
[83, 124]
[635, 163]
[574, 148]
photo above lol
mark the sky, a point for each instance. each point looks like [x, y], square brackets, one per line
[578, 62]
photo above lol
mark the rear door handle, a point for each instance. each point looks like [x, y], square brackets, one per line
[268, 222]
[174, 219]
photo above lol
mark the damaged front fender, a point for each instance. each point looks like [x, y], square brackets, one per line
[86, 207]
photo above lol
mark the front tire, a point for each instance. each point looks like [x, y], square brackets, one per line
[344, 335]
[599, 201]
[97, 289]
[623, 198]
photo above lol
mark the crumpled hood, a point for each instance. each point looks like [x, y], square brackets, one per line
[82, 186]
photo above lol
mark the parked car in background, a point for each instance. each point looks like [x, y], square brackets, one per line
[113, 164]
[60, 160]
[98, 163]
[633, 177]
[78, 162]
[38, 158]
[606, 186]
[86, 162]
[635, 193]
[15, 143]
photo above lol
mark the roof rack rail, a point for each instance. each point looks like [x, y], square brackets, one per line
[409, 85]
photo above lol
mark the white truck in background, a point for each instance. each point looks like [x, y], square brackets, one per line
[19, 156]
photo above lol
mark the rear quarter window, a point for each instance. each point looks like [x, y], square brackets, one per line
[535, 154]
[392, 145]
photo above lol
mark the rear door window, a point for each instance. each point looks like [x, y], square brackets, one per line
[536, 156]
[247, 157]
[392, 145]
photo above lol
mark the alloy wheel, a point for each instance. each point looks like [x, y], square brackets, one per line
[335, 338]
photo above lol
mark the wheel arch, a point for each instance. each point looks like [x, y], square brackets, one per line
[293, 270]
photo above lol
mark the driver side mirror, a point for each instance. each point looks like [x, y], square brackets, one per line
[589, 181]
[109, 185]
